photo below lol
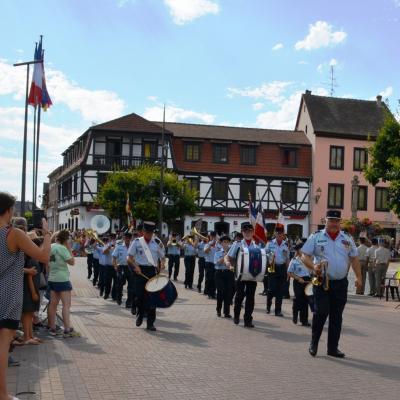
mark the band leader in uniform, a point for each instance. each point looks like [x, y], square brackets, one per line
[339, 250]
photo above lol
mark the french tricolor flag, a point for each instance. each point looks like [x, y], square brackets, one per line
[257, 220]
[35, 94]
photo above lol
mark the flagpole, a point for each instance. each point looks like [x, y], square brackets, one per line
[160, 211]
[34, 155]
[37, 151]
[23, 183]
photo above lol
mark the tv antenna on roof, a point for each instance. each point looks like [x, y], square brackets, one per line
[332, 84]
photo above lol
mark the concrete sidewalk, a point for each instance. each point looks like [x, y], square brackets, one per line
[195, 355]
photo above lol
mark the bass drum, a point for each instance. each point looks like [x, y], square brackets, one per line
[161, 292]
[251, 264]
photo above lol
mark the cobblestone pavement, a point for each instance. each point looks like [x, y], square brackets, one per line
[195, 355]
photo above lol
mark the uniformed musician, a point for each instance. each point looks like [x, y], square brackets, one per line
[110, 275]
[337, 248]
[89, 250]
[278, 249]
[174, 256]
[145, 255]
[189, 257]
[224, 278]
[120, 264]
[301, 277]
[209, 250]
[201, 260]
[243, 288]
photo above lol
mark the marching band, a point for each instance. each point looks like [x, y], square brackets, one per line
[232, 269]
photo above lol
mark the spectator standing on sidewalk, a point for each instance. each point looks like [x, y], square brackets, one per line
[14, 245]
[382, 257]
[371, 266]
[59, 283]
[362, 256]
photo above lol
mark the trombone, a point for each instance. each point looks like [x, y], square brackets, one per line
[194, 232]
[93, 235]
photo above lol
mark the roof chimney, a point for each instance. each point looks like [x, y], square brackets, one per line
[379, 100]
[308, 91]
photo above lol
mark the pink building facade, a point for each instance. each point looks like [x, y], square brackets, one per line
[338, 130]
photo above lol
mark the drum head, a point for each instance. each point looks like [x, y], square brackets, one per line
[156, 283]
[308, 290]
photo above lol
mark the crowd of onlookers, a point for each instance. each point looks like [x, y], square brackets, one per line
[33, 272]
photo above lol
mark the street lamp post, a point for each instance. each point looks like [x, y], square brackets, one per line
[355, 182]
[160, 210]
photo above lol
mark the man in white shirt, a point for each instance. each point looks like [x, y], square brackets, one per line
[362, 256]
[382, 257]
[371, 266]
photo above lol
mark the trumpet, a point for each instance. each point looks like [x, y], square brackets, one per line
[271, 268]
[93, 235]
[322, 279]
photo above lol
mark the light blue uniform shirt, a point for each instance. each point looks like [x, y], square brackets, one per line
[120, 253]
[209, 257]
[281, 252]
[298, 268]
[107, 258]
[218, 254]
[174, 250]
[97, 251]
[200, 250]
[102, 257]
[233, 251]
[136, 250]
[336, 252]
[189, 250]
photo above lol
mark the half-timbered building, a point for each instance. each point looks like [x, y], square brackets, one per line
[224, 164]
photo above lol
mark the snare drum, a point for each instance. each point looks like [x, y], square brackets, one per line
[161, 292]
[251, 264]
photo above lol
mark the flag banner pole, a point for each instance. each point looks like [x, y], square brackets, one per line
[37, 150]
[34, 155]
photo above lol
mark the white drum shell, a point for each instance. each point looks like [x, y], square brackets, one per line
[242, 269]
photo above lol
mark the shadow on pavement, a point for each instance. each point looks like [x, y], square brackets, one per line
[183, 338]
[384, 370]
[172, 324]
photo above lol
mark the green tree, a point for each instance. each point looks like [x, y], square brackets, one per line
[143, 186]
[385, 161]
[29, 217]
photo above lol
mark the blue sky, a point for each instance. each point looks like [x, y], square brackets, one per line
[237, 62]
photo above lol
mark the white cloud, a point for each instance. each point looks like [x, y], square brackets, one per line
[177, 114]
[302, 62]
[54, 139]
[93, 105]
[152, 98]
[184, 11]
[285, 116]
[10, 175]
[320, 34]
[396, 3]
[269, 91]
[258, 106]
[278, 46]
[388, 91]
[326, 65]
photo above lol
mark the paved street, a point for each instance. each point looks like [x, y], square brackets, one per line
[195, 355]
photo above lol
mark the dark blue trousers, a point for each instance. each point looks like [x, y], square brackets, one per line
[330, 304]
[202, 265]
